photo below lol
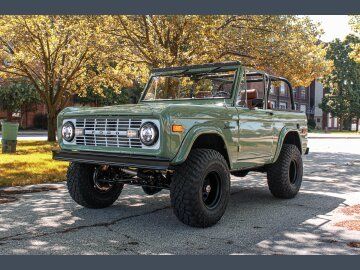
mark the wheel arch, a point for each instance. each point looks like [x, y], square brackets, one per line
[288, 137]
[202, 138]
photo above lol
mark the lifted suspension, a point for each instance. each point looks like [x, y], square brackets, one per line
[148, 178]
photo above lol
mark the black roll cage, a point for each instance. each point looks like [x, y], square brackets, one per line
[267, 79]
[224, 66]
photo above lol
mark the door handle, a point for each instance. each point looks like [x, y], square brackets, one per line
[270, 113]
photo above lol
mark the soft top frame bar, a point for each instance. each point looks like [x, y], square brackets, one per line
[204, 68]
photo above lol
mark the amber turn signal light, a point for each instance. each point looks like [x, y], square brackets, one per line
[304, 131]
[177, 128]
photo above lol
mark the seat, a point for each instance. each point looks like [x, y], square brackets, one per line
[251, 94]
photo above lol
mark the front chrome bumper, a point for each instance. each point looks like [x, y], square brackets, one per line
[120, 160]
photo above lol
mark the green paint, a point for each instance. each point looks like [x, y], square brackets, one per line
[252, 137]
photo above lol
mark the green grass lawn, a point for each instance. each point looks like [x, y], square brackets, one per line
[31, 164]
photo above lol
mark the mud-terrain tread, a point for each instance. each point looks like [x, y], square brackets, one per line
[80, 187]
[185, 186]
[277, 173]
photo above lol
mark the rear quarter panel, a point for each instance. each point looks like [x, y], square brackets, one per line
[284, 122]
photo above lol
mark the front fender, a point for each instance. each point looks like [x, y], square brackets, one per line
[190, 138]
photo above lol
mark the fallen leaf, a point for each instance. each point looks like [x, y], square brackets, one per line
[350, 224]
[351, 210]
[354, 244]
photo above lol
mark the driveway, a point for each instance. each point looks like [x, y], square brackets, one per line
[315, 222]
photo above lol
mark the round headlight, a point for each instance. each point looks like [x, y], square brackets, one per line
[149, 133]
[68, 131]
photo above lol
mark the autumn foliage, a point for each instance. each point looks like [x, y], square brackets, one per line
[63, 55]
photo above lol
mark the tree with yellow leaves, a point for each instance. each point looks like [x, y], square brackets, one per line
[165, 40]
[283, 45]
[59, 55]
[64, 55]
[288, 46]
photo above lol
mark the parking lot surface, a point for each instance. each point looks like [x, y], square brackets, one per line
[323, 219]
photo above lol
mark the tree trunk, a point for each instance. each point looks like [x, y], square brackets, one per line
[347, 124]
[51, 126]
[340, 123]
[357, 124]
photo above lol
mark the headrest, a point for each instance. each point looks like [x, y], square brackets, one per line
[251, 93]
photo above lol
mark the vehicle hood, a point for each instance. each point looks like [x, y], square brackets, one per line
[126, 109]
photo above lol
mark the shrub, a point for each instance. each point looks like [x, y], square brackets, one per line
[311, 124]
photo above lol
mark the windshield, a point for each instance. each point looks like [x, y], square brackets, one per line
[191, 86]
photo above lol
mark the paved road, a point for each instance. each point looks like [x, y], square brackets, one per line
[31, 135]
[255, 222]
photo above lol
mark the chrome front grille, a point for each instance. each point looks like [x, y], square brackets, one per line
[108, 132]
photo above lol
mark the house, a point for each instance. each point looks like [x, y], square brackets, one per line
[279, 98]
[323, 120]
[30, 117]
[306, 99]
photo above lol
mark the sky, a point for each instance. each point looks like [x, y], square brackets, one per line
[335, 26]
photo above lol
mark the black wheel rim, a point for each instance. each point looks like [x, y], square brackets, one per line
[99, 185]
[211, 190]
[293, 172]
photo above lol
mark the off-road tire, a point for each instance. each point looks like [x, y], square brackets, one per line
[151, 190]
[187, 183]
[81, 187]
[279, 174]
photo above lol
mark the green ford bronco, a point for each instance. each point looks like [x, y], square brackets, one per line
[192, 127]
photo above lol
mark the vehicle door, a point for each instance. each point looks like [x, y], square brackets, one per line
[256, 134]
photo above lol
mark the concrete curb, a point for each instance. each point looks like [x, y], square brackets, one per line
[26, 133]
[333, 137]
[31, 188]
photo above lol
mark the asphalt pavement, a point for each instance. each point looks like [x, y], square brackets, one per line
[314, 222]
